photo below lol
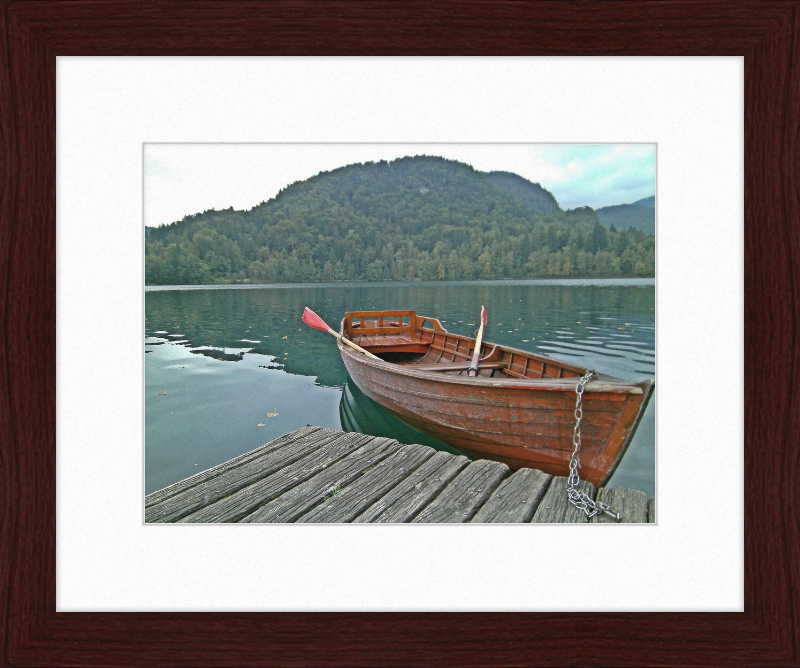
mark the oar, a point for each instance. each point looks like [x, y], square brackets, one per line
[473, 369]
[313, 320]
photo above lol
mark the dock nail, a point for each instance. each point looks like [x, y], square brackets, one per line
[611, 513]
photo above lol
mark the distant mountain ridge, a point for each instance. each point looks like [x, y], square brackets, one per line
[414, 218]
[532, 194]
[640, 214]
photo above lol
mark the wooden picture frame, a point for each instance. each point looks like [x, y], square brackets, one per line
[766, 34]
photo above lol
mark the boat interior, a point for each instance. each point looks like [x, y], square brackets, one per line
[405, 338]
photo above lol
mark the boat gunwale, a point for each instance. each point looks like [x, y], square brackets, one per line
[603, 383]
[438, 328]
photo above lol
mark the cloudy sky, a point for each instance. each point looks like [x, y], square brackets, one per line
[184, 179]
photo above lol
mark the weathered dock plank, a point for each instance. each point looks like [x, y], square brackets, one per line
[462, 498]
[326, 475]
[516, 499]
[555, 507]
[292, 504]
[357, 497]
[232, 480]
[403, 502]
[631, 504]
[240, 504]
[214, 471]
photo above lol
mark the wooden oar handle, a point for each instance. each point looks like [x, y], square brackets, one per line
[473, 369]
[353, 345]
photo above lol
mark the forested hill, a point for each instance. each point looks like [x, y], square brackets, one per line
[413, 218]
[640, 214]
[532, 194]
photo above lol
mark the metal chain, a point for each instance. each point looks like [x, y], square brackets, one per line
[577, 497]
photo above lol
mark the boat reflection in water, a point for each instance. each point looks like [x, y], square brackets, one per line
[361, 414]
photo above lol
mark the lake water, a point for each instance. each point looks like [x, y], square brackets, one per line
[228, 368]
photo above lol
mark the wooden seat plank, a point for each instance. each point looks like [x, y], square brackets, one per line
[374, 341]
[455, 367]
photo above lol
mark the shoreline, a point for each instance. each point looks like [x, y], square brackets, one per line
[645, 281]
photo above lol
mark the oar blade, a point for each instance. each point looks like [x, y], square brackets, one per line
[313, 320]
[484, 317]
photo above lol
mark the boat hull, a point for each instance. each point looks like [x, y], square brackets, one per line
[518, 422]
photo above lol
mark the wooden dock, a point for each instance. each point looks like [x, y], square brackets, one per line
[330, 476]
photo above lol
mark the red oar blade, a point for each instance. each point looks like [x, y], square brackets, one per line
[313, 320]
[484, 317]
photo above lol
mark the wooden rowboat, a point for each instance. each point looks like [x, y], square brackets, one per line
[519, 409]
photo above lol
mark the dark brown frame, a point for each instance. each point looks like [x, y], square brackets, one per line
[765, 32]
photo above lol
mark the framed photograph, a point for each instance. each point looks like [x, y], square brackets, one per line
[415, 242]
[41, 38]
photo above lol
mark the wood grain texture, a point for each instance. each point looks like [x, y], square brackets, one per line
[516, 499]
[230, 480]
[464, 496]
[555, 507]
[315, 475]
[305, 497]
[160, 495]
[231, 504]
[631, 505]
[404, 502]
[33, 33]
[356, 498]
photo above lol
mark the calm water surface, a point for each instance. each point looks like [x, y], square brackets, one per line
[230, 368]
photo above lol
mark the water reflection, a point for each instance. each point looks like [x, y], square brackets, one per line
[360, 413]
[249, 343]
[607, 324]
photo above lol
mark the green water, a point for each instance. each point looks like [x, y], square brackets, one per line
[219, 359]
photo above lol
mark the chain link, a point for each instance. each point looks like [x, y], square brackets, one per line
[577, 497]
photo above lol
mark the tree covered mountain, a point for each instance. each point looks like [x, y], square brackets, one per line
[413, 218]
[640, 215]
[532, 194]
